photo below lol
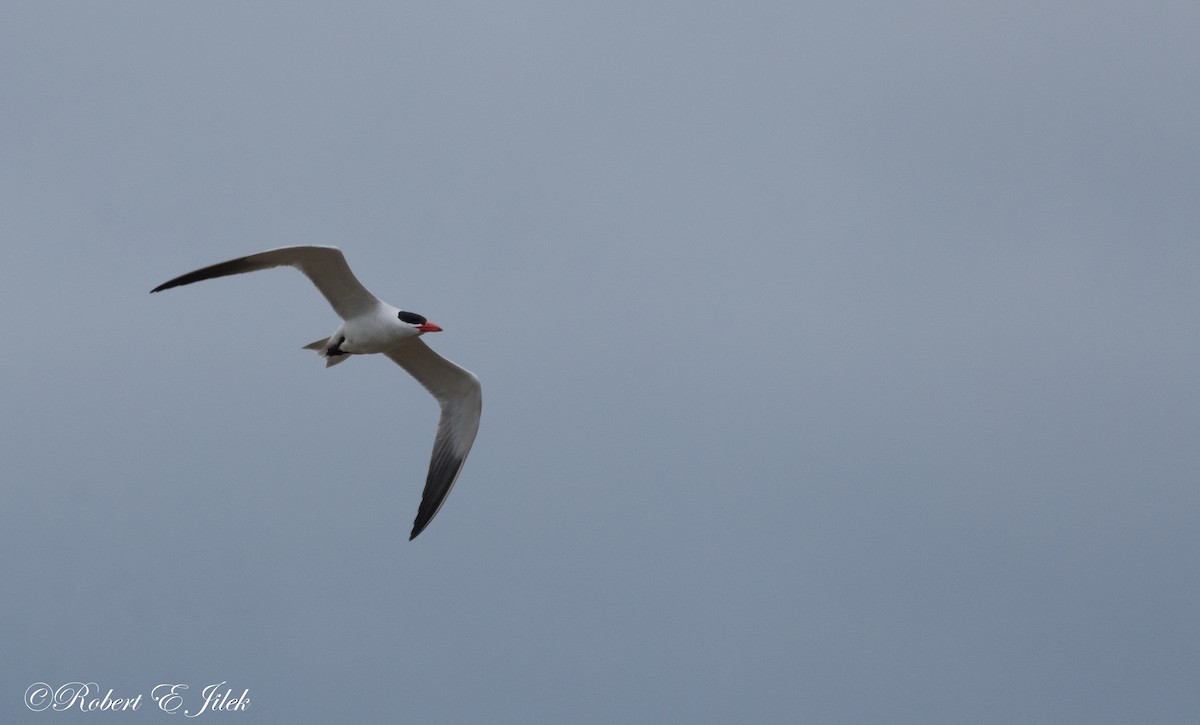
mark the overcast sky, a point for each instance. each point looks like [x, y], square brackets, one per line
[839, 360]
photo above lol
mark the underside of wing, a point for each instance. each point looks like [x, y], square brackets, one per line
[460, 396]
[325, 266]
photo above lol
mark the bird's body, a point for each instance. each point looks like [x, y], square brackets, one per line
[371, 326]
[370, 332]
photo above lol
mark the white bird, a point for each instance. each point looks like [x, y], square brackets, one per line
[372, 326]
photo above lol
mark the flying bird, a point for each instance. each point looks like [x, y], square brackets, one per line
[370, 326]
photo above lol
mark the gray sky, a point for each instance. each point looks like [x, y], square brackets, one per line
[839, 360]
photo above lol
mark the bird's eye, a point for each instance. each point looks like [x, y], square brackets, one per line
[411, 318]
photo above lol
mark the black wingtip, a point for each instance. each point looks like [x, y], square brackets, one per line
[220, 269]
[166, 285]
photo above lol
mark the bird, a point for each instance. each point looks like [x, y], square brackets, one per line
[370, 326]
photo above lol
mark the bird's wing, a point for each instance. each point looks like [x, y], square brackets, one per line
[458, 392]
[325, 266]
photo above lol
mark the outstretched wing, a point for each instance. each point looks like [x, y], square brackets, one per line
[325, 266]
[459, 393]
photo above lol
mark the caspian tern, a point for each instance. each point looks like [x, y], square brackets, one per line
[372, 326]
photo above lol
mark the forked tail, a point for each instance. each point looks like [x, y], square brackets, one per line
[322, 348]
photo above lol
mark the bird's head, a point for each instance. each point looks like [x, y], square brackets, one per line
[418, 323]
